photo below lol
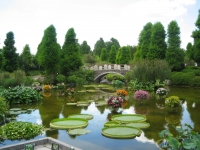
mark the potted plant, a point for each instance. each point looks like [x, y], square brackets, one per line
[115, 101]
[141, 95]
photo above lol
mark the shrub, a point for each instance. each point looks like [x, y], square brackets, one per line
[3, 106]
[172, 101]
[19, 76]
[20, 95]
[141, 95]
[195, 81]
[181, 78]
[10, 82]
[150, 70]
[117, 84]
[60, 78]
[113, 76]
[28, 81]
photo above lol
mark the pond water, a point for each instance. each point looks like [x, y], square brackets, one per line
[55, 107]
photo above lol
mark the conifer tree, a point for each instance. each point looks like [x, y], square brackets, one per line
[98, 47]
[112, 54]
[104, 54]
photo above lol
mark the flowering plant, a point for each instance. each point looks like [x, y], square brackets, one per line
[161, 91]
[115, 101]
[47, 87]
[70, 91]
[140, 95]
[121, 92]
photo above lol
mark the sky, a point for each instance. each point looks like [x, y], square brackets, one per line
[93, 19]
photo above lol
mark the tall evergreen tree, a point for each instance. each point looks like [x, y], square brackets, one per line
[1, 59]
[114, 42]
[145, 40]
[98, 47]
[157, 49]
[174, 54]
[25, 59]
[125, 55]
[112, 54]
[9, 53]
[85, 48]
[70, 57]
[196, 36]
[190, 51]
[104, 54]
[49, 51]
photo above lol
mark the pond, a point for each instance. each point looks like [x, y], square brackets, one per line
[55, 107]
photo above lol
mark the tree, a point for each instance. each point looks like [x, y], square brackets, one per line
[112, 54]
[125, 55]
[190, 51]
[85, 48]
[157, 49]
[145, 40]
[174, 54]
[114, 42]
[49, 51]
[196, 36]
[98, 47]
[9, 53]
[1, 59]
[104, 54]
[70, 56]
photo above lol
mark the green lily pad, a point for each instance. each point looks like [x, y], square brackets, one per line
[15, 109]
[82, 91]
[91, 100]
[68, 123]
[78, 131]
[71, 103]
[121, 132]
[14, 112]
[84, 116]
[127, 118]
[141, 125]
[82, 104]
[100, 103]
[89, 86]
[111, 123]
[92, 91]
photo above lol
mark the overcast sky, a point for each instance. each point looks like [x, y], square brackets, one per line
[92, 19]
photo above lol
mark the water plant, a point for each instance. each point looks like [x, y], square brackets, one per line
[186, 138]
[172, 102]
[141, 95]
[20, 130]
[122, 93]
[115, 101]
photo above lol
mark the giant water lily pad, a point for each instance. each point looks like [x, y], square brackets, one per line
[68, 123]
[71, 103]
[141, 125]
[121, 132]
[84, 116]
[126, 118]
[78, 131]
[111, 123]
[100, 103]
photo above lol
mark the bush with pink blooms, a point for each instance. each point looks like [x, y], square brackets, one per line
[141, 95]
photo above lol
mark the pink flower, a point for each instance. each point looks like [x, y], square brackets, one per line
[140, 95]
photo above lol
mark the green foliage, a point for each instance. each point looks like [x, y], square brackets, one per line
[26, 59]
[89, 58]
[49, 51]
[149, 70]
[117, 84]
[104, 54]
[113, 76]
[190, 51]
[9, 53]
[20, 130]
[172, 101]
[195, 81]
[3, 106]
[98, 47]
[112, 54]
[181, 78]
[10, 82]
[20, 95]
[112, 42]
[134, 85]
[19, 76]
[85, 48]
[145, 40]
[185, 139]
[124, 56]
[28, 81]
[157, 49]
[60, 78]
[70, 58]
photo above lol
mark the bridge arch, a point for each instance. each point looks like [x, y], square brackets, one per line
[99, 77]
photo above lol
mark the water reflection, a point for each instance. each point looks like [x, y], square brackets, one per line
[55, 107]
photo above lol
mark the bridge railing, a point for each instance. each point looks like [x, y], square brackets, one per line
[110, 67]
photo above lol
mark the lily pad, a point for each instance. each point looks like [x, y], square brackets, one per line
[71, 103]
[128, 118]
[83, 104]
[15, 109]
[82, 91]
[121, 132]
[111, 123]
[84, 116]
[14, 112]
[78, 131]
[141, 125]
[92, 91]
[68, 123]
[100, 103]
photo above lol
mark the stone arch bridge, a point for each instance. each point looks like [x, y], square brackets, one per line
[102, 70]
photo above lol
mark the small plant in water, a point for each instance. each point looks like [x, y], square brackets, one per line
[115, 101]
[121, 93]
[141, 95]
[185, 139]
[172, 101]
